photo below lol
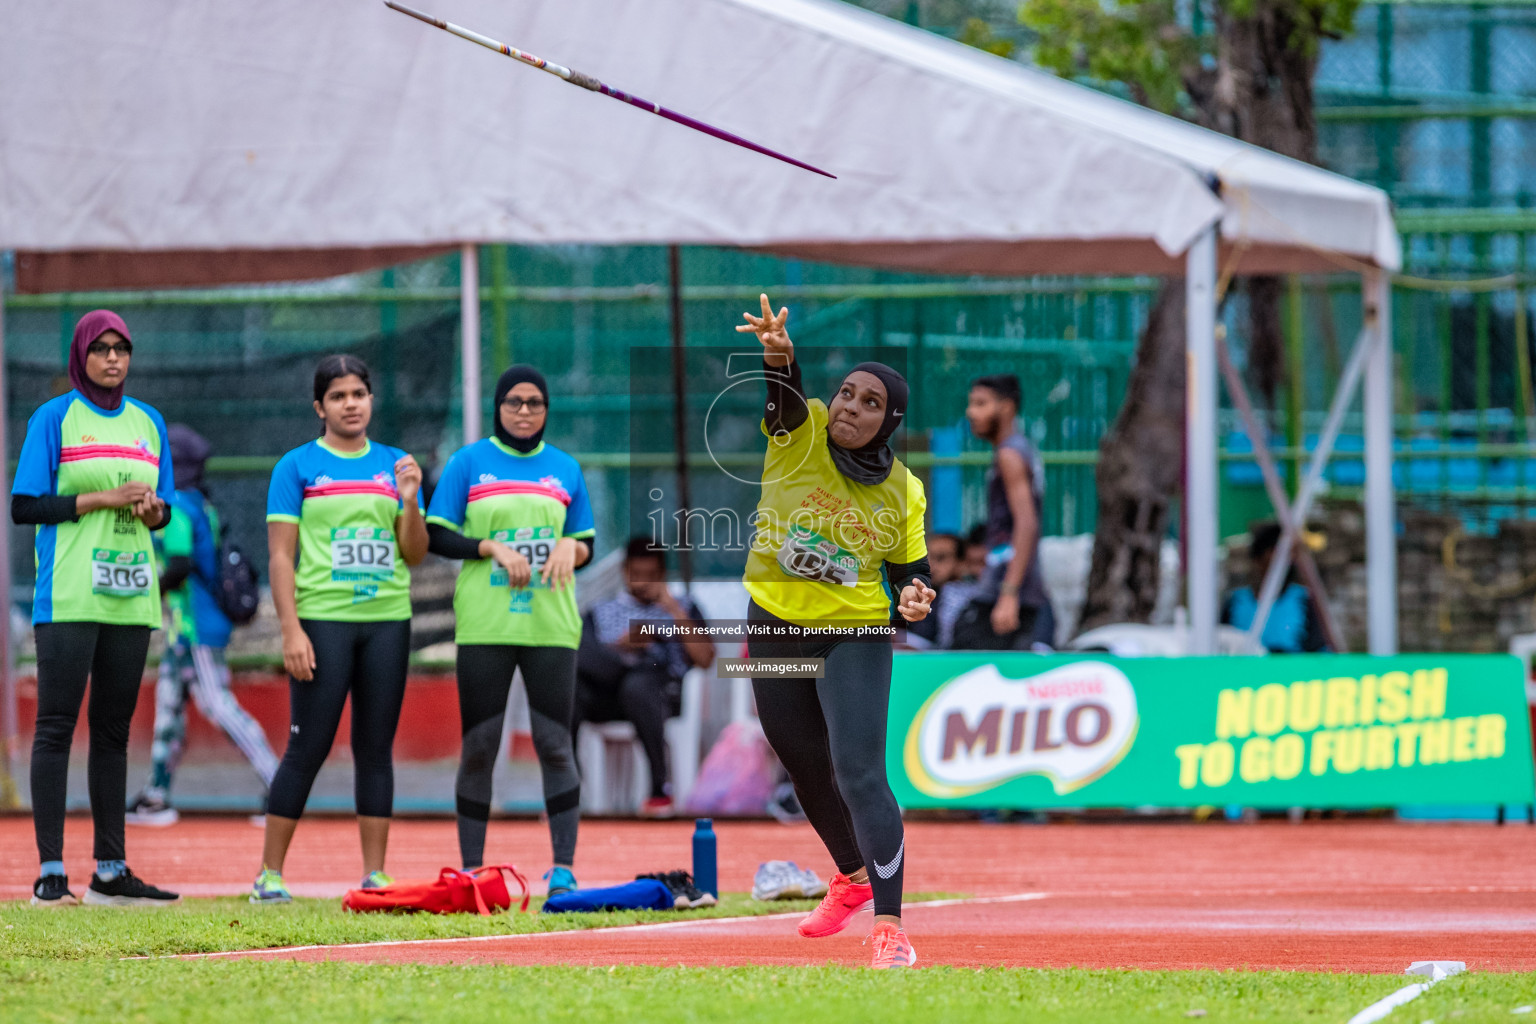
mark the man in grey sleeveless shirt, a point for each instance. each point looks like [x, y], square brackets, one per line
[1012, 610]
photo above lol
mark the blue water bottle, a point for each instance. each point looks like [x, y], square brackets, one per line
[705, 875]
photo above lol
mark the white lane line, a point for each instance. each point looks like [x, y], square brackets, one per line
[1434, 970]
[627, 929]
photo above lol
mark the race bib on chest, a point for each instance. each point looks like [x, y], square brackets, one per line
[809, 555]
[362, 553]
[535, 543]
[120, 573]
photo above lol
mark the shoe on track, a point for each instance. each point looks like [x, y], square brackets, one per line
[52, 891]
[126, 890]
[561, 881]
[657, 807]
[152, 810]
[270, 888]
[892, 948]
[376, 880]
[844, 898]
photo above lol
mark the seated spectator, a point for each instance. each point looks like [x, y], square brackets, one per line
[618, 679]
[961, 588]
[943, 565]
[1294, 626]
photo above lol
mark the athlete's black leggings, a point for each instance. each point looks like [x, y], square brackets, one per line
[112, 658]
[830, 735]
[485, 678]
[368, 660]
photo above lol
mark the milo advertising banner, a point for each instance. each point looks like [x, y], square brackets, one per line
[1019, 730]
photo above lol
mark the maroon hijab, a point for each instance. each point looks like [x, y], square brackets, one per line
[92, 326]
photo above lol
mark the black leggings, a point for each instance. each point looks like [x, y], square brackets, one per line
[368, 660]
[485, 679]
[830, 735]
[112, 658]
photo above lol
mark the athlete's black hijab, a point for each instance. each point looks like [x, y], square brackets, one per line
[871, 464]
[522, 373]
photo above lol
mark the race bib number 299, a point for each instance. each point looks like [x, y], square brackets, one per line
[535, 543]
[360, 553]
[120, 573]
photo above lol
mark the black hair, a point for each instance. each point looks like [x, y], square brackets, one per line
[1003, 385]
[640, 546]
[334, 367]
[1263, 539]
[976, 535]
[959, 542]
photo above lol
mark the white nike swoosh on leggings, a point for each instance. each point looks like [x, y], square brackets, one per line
[887, 870]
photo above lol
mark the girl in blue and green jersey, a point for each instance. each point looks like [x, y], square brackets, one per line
[347, 510]
[515, 509]
[94, 478]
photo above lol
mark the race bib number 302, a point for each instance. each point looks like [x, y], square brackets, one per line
[120, 573]
[535, 543]
[362, 553]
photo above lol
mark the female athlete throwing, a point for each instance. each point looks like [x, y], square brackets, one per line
[839, 530]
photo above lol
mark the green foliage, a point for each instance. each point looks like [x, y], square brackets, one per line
[1136, 42]
[976, 32]
[1143, 44]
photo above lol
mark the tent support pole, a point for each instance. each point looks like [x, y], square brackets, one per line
[1380, 502]
[469, 331]
[680, 411]
[1200, 495]
[10, 728]
[1280, 563]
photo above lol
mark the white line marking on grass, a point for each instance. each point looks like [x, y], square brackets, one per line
[1435, 970]
[627, 929]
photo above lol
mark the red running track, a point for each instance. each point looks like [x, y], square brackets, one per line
[1337, 896]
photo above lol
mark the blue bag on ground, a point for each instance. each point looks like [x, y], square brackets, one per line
[644, 894]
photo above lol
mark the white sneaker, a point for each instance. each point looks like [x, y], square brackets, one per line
[786, 880]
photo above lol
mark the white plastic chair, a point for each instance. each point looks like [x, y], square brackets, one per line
[615, 776]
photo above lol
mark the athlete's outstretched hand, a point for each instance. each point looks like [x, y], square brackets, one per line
[778, 350]
[407, 479]
[298, 654]
[560, 567]
[519, 572]
[916, 598]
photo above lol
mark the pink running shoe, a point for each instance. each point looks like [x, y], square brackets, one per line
[844, 898]
[892, 948]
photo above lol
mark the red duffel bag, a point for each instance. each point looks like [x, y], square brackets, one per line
[484, 891]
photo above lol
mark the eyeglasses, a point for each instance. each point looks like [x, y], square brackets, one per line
[516, 404]
[101, 348]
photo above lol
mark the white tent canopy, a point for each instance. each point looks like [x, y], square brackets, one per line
[175, 126]
[291, 137]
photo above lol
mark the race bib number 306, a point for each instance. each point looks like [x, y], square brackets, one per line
[535, 543]
[360, 553]
[120, 573]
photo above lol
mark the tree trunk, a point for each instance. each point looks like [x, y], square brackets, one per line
[1141, 463]
[1260, 91]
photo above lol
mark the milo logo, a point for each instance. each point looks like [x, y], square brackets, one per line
[1071, 724]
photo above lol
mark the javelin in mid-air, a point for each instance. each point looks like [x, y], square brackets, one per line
[588, 82]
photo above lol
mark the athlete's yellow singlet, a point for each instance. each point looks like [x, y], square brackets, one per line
[822, 539]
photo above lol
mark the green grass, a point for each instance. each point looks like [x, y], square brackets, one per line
[211, 925]
[63, 965]
[273, 992]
